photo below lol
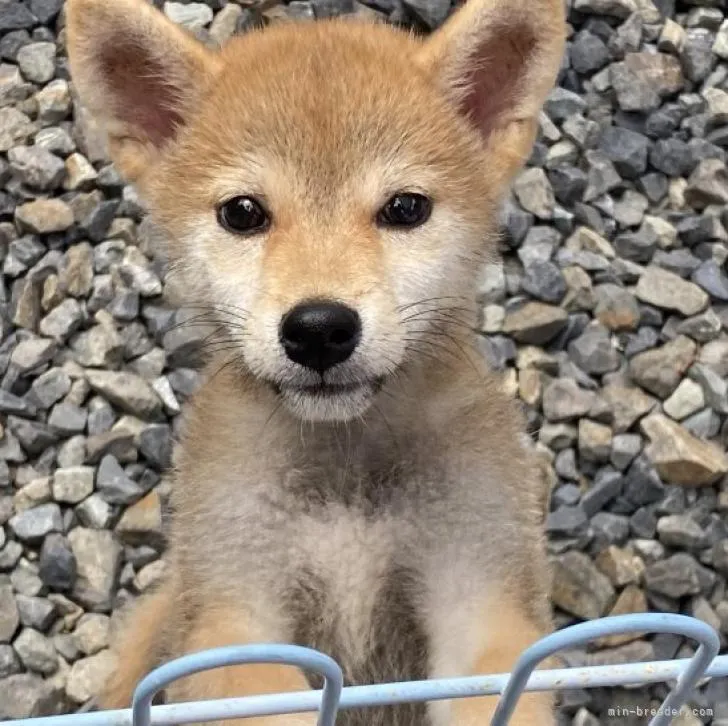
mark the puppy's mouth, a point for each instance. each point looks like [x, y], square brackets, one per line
[329, 401]
[330, 390]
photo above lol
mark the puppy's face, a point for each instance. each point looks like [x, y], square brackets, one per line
[327, 189]
[332, 212]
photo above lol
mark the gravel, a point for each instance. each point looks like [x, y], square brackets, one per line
[608, 318]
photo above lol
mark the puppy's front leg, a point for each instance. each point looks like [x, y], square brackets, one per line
[219, 626]
[509, 633]
[138, 647]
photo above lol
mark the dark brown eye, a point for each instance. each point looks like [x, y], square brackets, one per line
[405, 210]
[243, 215]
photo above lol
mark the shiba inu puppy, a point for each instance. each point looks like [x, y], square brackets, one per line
[354, 480]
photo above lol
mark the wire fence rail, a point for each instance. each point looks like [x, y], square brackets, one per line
[686, 673]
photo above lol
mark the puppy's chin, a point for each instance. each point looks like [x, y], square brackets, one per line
[328, 405]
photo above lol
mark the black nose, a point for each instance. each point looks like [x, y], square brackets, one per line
[320, 334]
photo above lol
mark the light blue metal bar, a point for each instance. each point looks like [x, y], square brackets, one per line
[630, 674]
[588, 631]
[431, 690]
[294, 655]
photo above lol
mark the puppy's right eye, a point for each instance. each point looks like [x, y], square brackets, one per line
[243, 215]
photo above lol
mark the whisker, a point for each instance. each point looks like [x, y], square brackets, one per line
[220, 310]
[211, 349]
[429, 354]
[427, 300]
[442, 317]
[429, 311]
[232, 361]
[459, 346]
[434, 358]
[275, 410]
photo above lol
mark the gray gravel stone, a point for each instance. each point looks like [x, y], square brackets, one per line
[34, 437]
[57, 563]
[563, 400]
[626, 149]
[641, 80]
[533, 191]
[16, 16]
[44, 216]
[667, 290]
[36, 652]
[614, 8]
[15, 128]
[686, 399]
[73, 485]
[604, 489]
[117, 442]
[681, 530]
[534, 322]
[49, 388]
[36, 612]
[660, 371]
[642, 484]
[191, 15]
[28, 695]
[31, 353]
[35, 523]
[579, 588]
[94, 512]
[544, 281]
[675, 576]
[602, 176]
[92, 633]
[9, 616]
[37, 61]
[46, 10]
[127, 391]
[594, 352]
[712, 279]
[11, 404]
[566, 521]
[98, 559]
[588, 52]
[9, 663]
[713, 385]
[429, 12]
[155, 444]
[671, 156]
[67, 419]
[708, 184]
[113, 483]
[88, 675]
[36, 167]
[697, 57]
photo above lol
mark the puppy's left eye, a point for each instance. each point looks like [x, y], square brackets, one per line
[405, 210]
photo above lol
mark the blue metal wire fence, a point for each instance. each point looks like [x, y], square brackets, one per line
[686, 673]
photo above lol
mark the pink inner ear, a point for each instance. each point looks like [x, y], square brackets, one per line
[144, 99]
[495, 79]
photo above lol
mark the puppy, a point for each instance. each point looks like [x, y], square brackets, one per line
[352, 478]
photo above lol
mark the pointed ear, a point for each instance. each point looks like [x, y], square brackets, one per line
[497, 60]
[137, 72]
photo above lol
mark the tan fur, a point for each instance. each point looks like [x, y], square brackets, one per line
[398, 528]
[219, 625]
[512, 634]
[142, 651]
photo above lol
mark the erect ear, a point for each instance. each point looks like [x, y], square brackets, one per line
[497, 60]
[137, 72]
